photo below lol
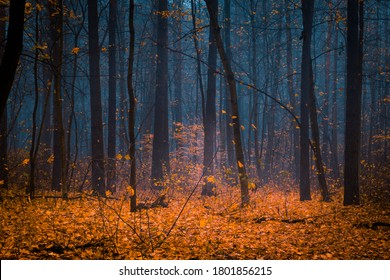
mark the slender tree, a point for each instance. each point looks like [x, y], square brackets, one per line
[4, 119]
[290, 85]
[210, 113]
[353, 102]
[304, 179]
[12, 51]
[178, 68]
[98, 173]
[59, 165]
[132, 99]
[229, 74]
[112, 78]
[160, 154]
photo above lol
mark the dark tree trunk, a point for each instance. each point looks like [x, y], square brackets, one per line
[304, 178]
[255, 94]
[112, 75]
[293, 100]
[353, 103]
[59, 164]
[4, 118]
[132, 100]
[228, 48]
[12, 51]
[230, 79]
[334, 144]
[210, 113]
[316, 142]
[160, 154]
[98, 173]
[177, 110]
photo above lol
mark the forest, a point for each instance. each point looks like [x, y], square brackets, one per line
[194, 129]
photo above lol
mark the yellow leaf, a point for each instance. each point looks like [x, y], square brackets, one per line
[251, 185]
[254, 127]
[130, 190]
[104, 49]
[242, 127]
[240, 165]
[1, 182]
[119, 157]
[25, 161]
[211, 179]
[223, 111]
[75, 50]
[127, 157]
[50, 159]
[202, 223]
[108, 193]
[39, 7]
[234, 117]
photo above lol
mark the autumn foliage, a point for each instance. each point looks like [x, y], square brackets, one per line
[274, 226]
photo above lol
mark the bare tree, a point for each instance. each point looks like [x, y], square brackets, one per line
[112, 75]
[160, 154]
[212, 8]
[353, 103]
[132, 99]
[98, 173]
[12, 51]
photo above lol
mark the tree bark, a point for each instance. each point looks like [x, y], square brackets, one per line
[4, 119]
[210, 113]
[98, 170]
[12, 51]
[132, 100]
[230, 79]
[293, 100]
[160, 154]
[353, 103]
[59, 164]
[112, 75]
[304, 178]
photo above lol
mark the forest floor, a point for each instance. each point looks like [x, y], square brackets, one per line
[276, 225]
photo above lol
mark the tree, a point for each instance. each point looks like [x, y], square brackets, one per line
[212, 8]
[4, 119]
[178, 68]
[306, 84]
[210, 112]
[12, 51]
[290, 85]
[160, 154]
[59, 176]
[353, 102]
[132, 99]
[98, 170]
[111, 96]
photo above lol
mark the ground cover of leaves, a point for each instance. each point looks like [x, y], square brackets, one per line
[276, 225]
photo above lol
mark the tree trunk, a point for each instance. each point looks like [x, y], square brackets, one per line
[293, 100]
[334, 144]
[59, 164]
[98, 173]
[12, 51]
[132, 99]
[210, 113]
[316, 142]
[304, 178]
[178, 57]
[112, 74]
[230, 79]
[353, 103]
[160, 154]
[4, 118]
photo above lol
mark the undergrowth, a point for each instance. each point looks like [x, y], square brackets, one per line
[276, 225]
